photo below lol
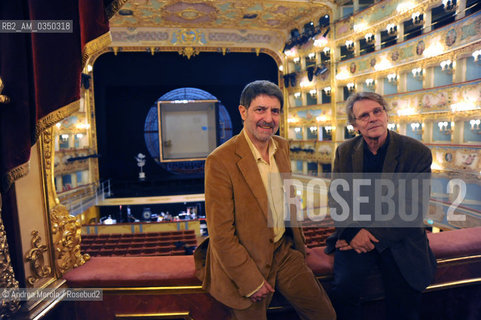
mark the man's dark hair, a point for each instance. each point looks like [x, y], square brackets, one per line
[260, 87]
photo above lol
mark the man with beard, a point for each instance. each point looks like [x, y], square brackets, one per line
[400, 251]
[250, 252]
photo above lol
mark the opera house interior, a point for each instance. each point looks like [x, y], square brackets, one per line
[108, 110]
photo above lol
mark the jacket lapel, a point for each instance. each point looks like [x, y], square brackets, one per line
[358, 156]
[247, 166]
[392, 155]
[283, 162]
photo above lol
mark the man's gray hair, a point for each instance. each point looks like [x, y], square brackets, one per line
[260, 87]
[358, 96]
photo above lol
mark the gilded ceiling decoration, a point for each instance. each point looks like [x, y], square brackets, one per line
[225, 14]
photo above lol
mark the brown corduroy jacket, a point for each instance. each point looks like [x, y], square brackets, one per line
[238, 254]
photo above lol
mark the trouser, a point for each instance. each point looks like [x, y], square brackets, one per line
[351, 271]
[291, 277]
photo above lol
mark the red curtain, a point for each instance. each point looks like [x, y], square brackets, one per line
[41, 73]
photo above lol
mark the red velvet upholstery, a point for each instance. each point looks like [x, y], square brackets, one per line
[134, 272]
[457, 243]
[113, 272]
[179, 270]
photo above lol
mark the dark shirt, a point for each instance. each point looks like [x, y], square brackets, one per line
[374, 162]
[371, 163]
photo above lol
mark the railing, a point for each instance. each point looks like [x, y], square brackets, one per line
[91, 196]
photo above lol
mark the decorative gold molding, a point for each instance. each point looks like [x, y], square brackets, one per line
[164, 315]
[154, 290]
[35, 257]
[55, 116]
[188, 52]
[95, 45]
[273, 54]
[188, 37]
[14, 174]
[3, 98]
[114, 7]
[275, 16]
[7, 279]
[65, 229]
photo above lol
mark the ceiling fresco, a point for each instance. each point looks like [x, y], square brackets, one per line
[228, 14]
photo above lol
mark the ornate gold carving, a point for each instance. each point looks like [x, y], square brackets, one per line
[66, 240]
[14, 174]
[35, 257]
[188, 37]
[270, 15]
[65, 229]
[115, 6]
[95, 45]
[188, 52]
[163, 315]
[55, 116]
[3, 98]
[7, 279]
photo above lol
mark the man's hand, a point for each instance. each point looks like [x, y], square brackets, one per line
[363, 241]
[343, 245]
[262, 293]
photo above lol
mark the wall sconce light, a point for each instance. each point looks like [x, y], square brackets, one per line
[329, 129]
[297, 95]
[64, 137]
[83, 125]
[350, 129]
[417, 72]
[391, 126]
[417, 18]
[297, 130]
[327, 51]
[89, 68]
[350, 45]
[327, 90]
[370, 82]
[304, 83]
[391, 29]
[313, 92]
[416, 127]
[369, 38]
[475, 125]
[296, 59]
[443, 127]
[392, 77]
[79, 135]
[477, 55]
[311, 55]
[449, 5]
[313, 129]
[320, 42]
[351, 86]
[447, 65]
